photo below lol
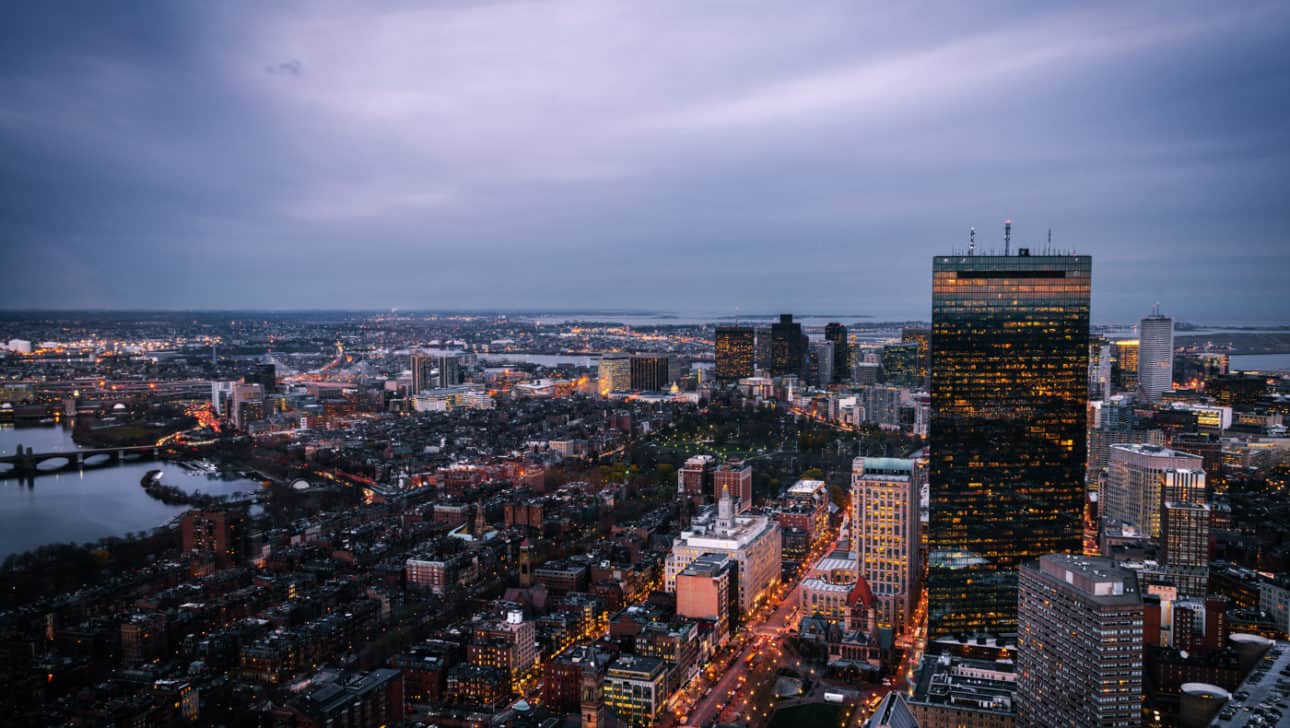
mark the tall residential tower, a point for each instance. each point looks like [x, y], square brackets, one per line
[885, 523]
[1079, 649]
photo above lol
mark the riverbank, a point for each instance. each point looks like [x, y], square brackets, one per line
[175, 496]
[83, 506]
[89, 433]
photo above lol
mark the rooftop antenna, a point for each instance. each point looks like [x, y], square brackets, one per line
[1007, 236]
[972, 241]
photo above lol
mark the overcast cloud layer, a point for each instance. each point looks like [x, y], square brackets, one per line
[688, 156]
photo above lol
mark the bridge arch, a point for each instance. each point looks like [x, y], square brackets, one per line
[54, 463]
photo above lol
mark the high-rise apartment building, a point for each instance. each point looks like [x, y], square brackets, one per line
[435, 371]
[736, 348]
[221, 535]
[450, 372]
[422, 372]
[1140, 478]
[1155, 356]
[820, 363]
[614, 373]
[837, 333]
[883, 404]
[1079, 644]
[734, 476]
[246, 404]
[695, 476]
[885, 523]
[787, 347]
[1007, 434]
[1184, 540]
[1099, 369]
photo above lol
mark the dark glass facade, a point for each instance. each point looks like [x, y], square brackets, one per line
[1009, 350]
[923, 338]
[900, 364]
[652, 372]
[266, 375]
[736, 351]
[837, 333]
[787, 348]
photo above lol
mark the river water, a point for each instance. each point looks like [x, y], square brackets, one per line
[80, 507]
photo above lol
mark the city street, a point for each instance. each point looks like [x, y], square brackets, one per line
[745, 691]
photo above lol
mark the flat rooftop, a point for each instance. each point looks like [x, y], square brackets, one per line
[965, 684]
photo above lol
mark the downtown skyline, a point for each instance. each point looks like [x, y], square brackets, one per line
[538, 363]
[517, 156]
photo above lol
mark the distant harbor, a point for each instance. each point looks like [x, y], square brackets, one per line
[1259, 362]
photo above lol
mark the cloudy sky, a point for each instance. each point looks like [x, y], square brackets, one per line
[687, 156]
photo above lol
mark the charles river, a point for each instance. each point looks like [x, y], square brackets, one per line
[85, 506]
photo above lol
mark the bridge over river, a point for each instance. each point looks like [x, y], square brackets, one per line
[27, 464]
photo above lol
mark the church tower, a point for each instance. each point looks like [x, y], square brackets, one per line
[593, 704]
[526, 564]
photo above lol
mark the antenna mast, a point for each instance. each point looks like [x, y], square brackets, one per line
[1007, 237]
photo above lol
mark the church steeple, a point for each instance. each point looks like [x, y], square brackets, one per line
[593, 705]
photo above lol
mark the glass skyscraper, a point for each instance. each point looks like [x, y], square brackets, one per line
[837, 333]
[1155, 355]
[736, 353]
[1009, 349]
[788, 347]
